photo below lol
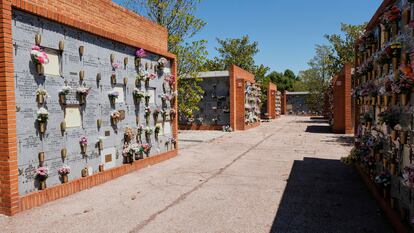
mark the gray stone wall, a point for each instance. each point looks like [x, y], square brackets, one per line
[96, 59]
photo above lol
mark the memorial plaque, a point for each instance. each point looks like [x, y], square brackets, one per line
[53, 67]
[166, 128]
[73, 117]
[108, 157]
[121, 96]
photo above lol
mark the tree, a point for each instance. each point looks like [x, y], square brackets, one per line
[239, 52]
[322, 62]
[316, 85]
[343, 48]
[179, 19]
[283, 82]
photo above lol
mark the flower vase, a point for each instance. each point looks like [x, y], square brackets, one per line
[39, 69]
[138, 83]
[101, 168]
[84, 147]
[393, 135]
[65, 178]
[385, 102]
[373, 101]
[403, 137]
[394, 99]
[147, 137]
[112, 101]
[155, 118]
[100, 145]
[137, 61]
[84, 172]
[114, 121]
[147, 83]
[393, 169]
[42, 184]
[156, 136]
[379, 100]
[385, 162]
[406, 16]
[113, 79]
[62, 99]
[369, 124]
[147, 120]
[139, 156]
[42, 127]
[99, 123]
[40, 99]
[139, 138]
[146, 101]
[404, 98]
[82, 99]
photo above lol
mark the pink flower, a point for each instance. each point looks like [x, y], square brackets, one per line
[41, 60]
[35, 47]
[140, 53]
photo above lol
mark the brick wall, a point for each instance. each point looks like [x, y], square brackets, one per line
[238, 77]
[271, 100]
[99, 17]
[342, 101]
[283, 110]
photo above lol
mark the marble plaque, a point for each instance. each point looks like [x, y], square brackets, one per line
[166, 129]
[73, 117]
[151, 93]
[108, 157]
[53, 67]
[120, 98]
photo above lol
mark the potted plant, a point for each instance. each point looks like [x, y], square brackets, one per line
[145, 149]
[148, 131]
[157, 130]
[128, 153]
[172, 114]
[162, 63]
[113, 95]
[42, 173]
[155, 114]
[100, 142]
[138, 95]
[140, 129]
[148, 77]
[39, 58]
[42, 117]
[63, 93]
[128, 134]
[147, 114]
[391, 118]
[41, 95]
[82, 93]
[403, 86]
[139, 54]
[83, 142]
[115, 117]
[64, 171]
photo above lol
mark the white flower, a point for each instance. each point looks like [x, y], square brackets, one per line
[42, 111]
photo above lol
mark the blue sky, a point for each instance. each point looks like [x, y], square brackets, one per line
[287, 30]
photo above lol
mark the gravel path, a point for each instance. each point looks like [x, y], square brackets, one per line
[281, 177]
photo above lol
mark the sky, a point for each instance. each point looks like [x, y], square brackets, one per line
[287, 31]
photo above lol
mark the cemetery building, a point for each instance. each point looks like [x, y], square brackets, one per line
[296, 103]
[269, 107]
[341, 101]
[231, 99]
[87, 95]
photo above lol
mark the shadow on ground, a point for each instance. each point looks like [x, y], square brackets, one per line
[327, 196]
[342, 140]
[318, 129]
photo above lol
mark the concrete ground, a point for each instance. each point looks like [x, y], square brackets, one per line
[281, 177]
[189, 138]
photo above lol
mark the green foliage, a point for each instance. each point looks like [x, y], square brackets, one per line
[239, 52]
[179, 19]
[316, 85]
[322, 62]
[284, 81]
[343, 48]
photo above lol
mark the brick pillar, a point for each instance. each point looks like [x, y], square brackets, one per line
[9, 195]
[348, 98]
[240, 99]
[283, 107]
[232, 81]
[271, 100]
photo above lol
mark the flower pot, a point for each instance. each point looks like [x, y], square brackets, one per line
[63, 153]
[125, 61]
[42, 184]
[65, 179]
[146, 101]
[113, 79]
[100, 145]
[393, 169]
[84, 172]
[373, 101]
[40, 99]
[137, 62]
[385, 162]
[403, 99]
[369, 124]
[147, 120]
[98, 77]
[99, 123]
[406, 16]
[112, 58]
[63, 126]
[41, 157]
[62, 99]
[101, 168]
[42, 127]
[125, 81]
[147, 83]
[394, 99]
[39, 69]
[139, 156]
[81, 50]
[148, 138]
[112, 100]
[138, 83]
[385, 102]
[378, 100]
[38, 39]
[114, 121]
[81, 75]
[84, 147]
[403, 137]
[82, 99]
[393, 135]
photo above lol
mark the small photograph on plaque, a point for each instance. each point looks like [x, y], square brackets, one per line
[120, 98]
[53, 67]
[73, 117]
